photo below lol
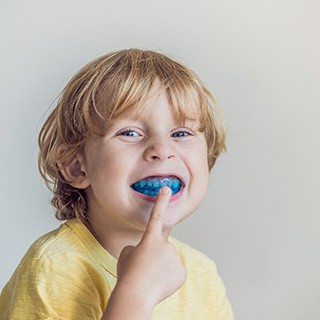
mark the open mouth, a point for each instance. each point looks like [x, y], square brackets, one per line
[150, 186]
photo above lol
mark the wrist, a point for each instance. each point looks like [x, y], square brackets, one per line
[136, 296]
[126, 302]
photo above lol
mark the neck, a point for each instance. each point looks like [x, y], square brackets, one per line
[111, 237]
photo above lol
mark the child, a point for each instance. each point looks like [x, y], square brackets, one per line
[128, 151]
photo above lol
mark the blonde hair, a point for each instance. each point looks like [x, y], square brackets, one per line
[103, 90]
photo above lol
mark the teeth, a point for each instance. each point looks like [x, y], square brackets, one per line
[175, 183]
[142, 183]
[163, 183]
[151, 186]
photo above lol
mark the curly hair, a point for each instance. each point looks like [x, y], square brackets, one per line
[104, 89]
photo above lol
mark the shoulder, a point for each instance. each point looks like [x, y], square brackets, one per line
[193, 257]
[57, 257]
[53, 244]
[202, 271]
[203, 287]
[54, 277]
[60, 256]
[203, 277]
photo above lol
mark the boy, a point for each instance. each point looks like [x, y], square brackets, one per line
[128, 150]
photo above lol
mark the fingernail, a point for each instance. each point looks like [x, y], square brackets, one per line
[165, 190]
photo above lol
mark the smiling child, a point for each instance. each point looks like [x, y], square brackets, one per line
[127, 152]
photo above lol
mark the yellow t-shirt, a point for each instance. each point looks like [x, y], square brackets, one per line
[67, 274]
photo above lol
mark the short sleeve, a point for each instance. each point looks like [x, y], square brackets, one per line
[222, 307]
[45, 289]
[203, 295]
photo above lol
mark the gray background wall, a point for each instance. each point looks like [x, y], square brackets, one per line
[260, 221]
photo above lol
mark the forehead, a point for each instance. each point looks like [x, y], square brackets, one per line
[159, 103]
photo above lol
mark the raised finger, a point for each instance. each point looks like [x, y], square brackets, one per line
[155, 224]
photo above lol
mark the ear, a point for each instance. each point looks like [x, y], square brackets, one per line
[75, 172]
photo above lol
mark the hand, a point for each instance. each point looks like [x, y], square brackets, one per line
[152, 270]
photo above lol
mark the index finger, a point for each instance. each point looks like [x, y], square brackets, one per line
[155, 224]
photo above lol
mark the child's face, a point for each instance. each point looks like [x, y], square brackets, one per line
[138, 146]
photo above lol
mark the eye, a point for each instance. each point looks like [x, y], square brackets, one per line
[129, 133]
[181, 134]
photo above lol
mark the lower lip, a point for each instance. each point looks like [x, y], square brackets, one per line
[174, 197]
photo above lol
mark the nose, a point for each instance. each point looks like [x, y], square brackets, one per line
[159, 150]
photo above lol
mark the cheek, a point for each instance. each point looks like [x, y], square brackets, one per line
[198, 160]
[199, 173]
[109, 177]
[200, 184]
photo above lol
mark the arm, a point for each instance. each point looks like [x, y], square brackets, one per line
[147, 273]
